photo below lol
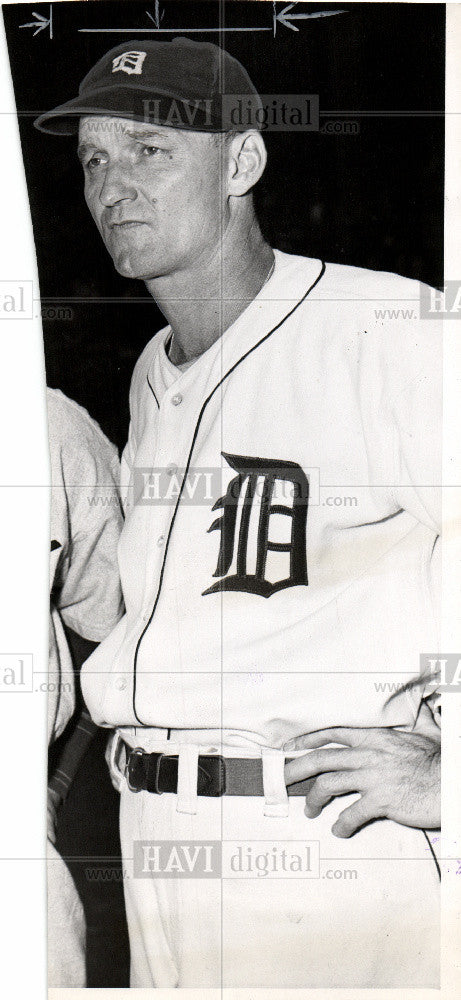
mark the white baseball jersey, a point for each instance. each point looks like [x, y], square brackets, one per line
[278, 555]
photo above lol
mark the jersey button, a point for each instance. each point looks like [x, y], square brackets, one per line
[120, 683]
[160, 540]
[176, 400]
[171, 470]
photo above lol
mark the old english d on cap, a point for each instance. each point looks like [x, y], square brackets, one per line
[182, 83]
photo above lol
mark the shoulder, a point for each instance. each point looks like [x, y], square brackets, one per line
[73, 433]
[363, 284]
[370, 322]
[345, 282]
[380, 295]
[382, 312]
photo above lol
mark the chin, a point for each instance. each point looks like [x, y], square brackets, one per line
[129, 267]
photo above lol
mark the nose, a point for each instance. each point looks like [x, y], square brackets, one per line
[116, 187]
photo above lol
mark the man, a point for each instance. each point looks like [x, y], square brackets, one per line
[260, 613]
[85, 595]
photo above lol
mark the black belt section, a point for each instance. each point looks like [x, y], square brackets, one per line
[216, 775]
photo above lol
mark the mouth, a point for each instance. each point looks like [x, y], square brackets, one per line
[127, 224]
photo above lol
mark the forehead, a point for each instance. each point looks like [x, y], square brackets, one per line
[95, 128]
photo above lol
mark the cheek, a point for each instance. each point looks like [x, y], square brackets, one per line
[211, 195]
[89, 199]
[93, 205]
[195, 202]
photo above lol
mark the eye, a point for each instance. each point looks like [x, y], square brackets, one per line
[150, 151]
[94, 162]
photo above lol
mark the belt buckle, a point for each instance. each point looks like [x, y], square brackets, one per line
[131, 765]
[214, 774]
[130, 771]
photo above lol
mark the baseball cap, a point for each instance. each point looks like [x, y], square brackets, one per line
[181, 83]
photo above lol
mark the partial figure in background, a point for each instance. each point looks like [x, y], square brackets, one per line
[85, 595]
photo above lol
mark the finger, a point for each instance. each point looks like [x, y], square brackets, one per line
[348, 736]
[319, 761]
[352, 818]
[325, 788]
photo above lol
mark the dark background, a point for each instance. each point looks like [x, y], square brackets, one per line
[373, 199]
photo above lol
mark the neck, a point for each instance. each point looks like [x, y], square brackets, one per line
[202, 302]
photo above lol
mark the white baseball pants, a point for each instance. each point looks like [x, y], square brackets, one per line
[327, 913]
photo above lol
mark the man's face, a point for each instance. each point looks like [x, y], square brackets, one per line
[156, 194]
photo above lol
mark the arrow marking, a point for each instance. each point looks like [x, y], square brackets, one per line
[40, 23]
[284, 17]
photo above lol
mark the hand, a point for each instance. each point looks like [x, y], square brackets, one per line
[52, 809]
[397, 774]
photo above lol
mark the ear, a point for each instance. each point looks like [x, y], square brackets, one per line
[247, 160]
